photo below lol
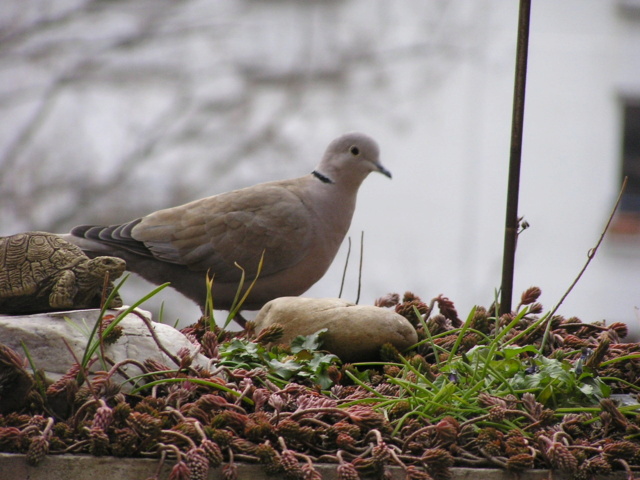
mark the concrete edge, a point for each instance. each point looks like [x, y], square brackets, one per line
[86, 467]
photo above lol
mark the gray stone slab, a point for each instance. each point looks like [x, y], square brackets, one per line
[85, 467]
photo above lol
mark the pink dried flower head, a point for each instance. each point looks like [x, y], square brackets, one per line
[520, 462]
[258, 427]
[9, 358]
[599, 353]
[497, 413]
[346, 428]
[212, 401]
[99, 442]
[345, 442]
[144, 424]
[413, 473]
[410, 297]
[180, 471]
[269, 458]
[230, 471]
[155, 366]
[530, 295]
[389, 353]
[623, 449]
[408, 310]
[209, 343]
[447, 430]
[617, 418]
[621, 329]
[191, 410]
[37, 421]
[231, 419]
[260, 398]
[198, 464]
[515, 445]
[388, 300]
[288, 429]
[437, 458]
[561, 458]
[290, 465]
[438, 324]
[310, 473]
[125, 442]
[222, 437]
[366, 417]
[486, 400]
[65, 387]
[575, 342]
[243, 445]
[103, 418]
[308, 434]
[307, 401]
[38, 449]
[185, 356]
[595, 466]
[271, 334]
[212, 452]
[346, 471]
[113, 335]
[399, 409]
[481, 320]
[536, 308]
[448, 309]
[531, 405]
[380, 454]
[488, 435]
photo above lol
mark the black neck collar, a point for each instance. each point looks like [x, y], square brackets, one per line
[321, 177]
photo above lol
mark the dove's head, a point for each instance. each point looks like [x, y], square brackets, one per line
[350, 158]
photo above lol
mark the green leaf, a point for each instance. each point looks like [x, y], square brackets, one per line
[308, 342]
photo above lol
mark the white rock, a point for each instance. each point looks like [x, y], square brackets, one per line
[355, 332]
[45, 335]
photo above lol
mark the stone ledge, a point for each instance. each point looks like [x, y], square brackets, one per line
[86, 467]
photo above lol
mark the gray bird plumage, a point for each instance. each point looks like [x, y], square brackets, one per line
[298, 223]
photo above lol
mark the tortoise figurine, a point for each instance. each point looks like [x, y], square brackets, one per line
[41, 272]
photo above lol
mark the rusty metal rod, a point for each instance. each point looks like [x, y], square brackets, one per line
[513, 188]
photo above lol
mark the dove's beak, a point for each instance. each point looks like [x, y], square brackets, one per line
[383, 170]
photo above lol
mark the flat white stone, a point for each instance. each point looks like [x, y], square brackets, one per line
[47, 335]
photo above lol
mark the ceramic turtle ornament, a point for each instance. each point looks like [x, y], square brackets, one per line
[41, 272]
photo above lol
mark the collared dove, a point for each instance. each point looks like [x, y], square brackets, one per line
[298, 223]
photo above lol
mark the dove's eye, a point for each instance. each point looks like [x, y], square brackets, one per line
[355, 151]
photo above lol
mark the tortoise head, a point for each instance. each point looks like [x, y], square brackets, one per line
[99, 266]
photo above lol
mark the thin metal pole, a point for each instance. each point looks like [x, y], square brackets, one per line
[517, 122]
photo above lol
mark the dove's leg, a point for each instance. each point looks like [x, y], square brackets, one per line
[240, 320]
[63, 291]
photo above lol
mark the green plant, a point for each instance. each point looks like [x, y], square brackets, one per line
[238, 300]
[302, 360]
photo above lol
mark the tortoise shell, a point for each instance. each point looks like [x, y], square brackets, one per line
[41, 272]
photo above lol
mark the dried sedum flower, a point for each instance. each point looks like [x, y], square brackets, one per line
[198, 464]
[389, 300]
[346, 471]
[38, 449]
[530, 295]
[520, 462]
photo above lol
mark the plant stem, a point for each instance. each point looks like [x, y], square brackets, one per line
[590, 256]
[517, 122]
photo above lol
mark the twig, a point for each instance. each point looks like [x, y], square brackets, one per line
[360, 266]
[152, 331]
[344, 272]
[590, 254]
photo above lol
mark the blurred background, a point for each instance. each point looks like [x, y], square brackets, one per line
[112, 109]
